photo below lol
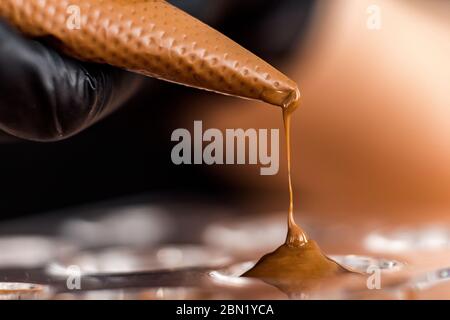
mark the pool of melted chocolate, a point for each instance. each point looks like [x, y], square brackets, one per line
[295, 269]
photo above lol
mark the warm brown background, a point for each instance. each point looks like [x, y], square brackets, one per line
[373, 134]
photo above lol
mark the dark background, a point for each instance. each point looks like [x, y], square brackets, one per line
[128, 153]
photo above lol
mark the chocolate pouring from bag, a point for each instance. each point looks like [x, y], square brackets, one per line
[153, 38]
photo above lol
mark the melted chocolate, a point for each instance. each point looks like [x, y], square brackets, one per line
[298, 265]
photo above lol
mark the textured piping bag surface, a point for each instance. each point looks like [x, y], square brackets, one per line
[153, 38]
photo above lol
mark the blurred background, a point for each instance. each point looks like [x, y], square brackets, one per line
[372, 138]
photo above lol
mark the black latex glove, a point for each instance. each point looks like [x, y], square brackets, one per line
[47, 96]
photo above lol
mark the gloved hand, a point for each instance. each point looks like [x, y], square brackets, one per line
[46, 96]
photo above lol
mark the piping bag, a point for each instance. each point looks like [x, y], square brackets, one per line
[153, 38]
